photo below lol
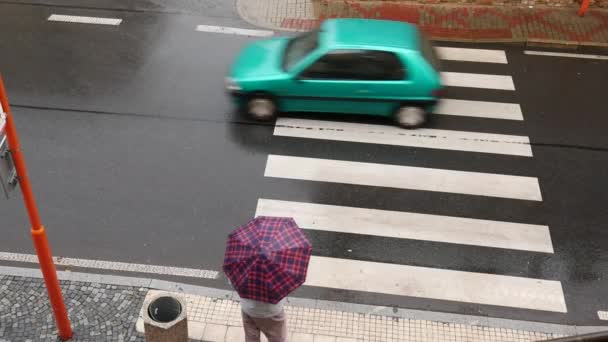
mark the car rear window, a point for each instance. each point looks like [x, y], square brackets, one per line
[428, 52]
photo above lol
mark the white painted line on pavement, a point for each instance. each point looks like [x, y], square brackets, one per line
[2, 122]
[234, 30]
[114, 266]
[433, 283]
[472, 55]
[403, 177]
[563, 54]
[391, 135]
[85, 20]
[480, 109]
[485, 81]
[406, 225]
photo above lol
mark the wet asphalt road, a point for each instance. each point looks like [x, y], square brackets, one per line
[137, 156]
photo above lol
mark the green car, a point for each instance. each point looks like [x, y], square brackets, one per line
[354, 66]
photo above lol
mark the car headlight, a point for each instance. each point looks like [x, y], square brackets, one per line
[231, 85]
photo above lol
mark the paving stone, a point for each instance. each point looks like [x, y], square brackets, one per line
[302, 337]
[27, 300]
[215, 332]
[324, 338]
[235, 334]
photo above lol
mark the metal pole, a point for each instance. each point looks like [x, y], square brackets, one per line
[38, 233]
[584, 7]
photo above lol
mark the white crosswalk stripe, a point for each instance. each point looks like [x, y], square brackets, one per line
[404, 225]
[84, 20]
[460, 79]
[472, 55]
[480, 109]
[433, 283]
[392, 135]
[403, 177]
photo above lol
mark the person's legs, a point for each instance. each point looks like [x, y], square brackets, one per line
[275, 328]
[252, 332]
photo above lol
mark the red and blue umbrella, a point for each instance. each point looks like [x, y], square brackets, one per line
[267, 258]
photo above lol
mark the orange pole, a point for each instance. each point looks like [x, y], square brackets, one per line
[584, 7]
[38, 232]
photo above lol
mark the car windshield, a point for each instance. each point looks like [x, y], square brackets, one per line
[298, 47]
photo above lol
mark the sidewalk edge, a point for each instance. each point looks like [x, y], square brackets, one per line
[311, 303]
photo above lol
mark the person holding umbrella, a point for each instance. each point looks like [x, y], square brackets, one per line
[265, 260]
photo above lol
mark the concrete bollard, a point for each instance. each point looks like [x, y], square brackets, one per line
[165, 319]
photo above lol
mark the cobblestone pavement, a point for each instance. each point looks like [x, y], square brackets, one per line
[98, 312]
[561, 26]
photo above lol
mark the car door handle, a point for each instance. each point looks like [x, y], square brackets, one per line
[363, 91]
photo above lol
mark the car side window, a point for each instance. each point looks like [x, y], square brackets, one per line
[356, 65]
[381, 66]
[335, 65]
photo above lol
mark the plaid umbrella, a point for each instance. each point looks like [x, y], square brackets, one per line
[267, 258]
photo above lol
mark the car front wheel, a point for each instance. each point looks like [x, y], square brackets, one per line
[261, 108]
[410, 116]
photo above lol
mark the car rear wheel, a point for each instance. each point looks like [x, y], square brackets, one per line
[410, 116]
[261, 108]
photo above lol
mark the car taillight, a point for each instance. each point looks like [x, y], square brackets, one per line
[439, 92]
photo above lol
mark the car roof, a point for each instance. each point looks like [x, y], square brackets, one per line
[371, 33]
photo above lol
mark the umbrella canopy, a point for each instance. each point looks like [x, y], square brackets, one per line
[267, 258]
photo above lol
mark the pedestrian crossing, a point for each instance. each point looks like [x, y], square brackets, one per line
[358, 222]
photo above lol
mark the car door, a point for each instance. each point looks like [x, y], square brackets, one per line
[386, 78]
[349, 81]
[329, 84]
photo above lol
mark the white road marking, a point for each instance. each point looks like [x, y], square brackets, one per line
[85, 20]
[403, 177]
[461, 79]
[603, 315]
[563, 54]
[472, 55]
[423, 282]
[480, 109]
[234, 30]
[2, 120]
[114, 266]
[391, 135]
[406, 225]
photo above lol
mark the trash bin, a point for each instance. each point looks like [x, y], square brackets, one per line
[165, 319]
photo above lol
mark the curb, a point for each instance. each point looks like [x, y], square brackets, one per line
[154, 284]
[242, 11]
[565, 45]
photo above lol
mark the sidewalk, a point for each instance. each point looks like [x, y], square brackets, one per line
[109, 308]
[541, 25]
